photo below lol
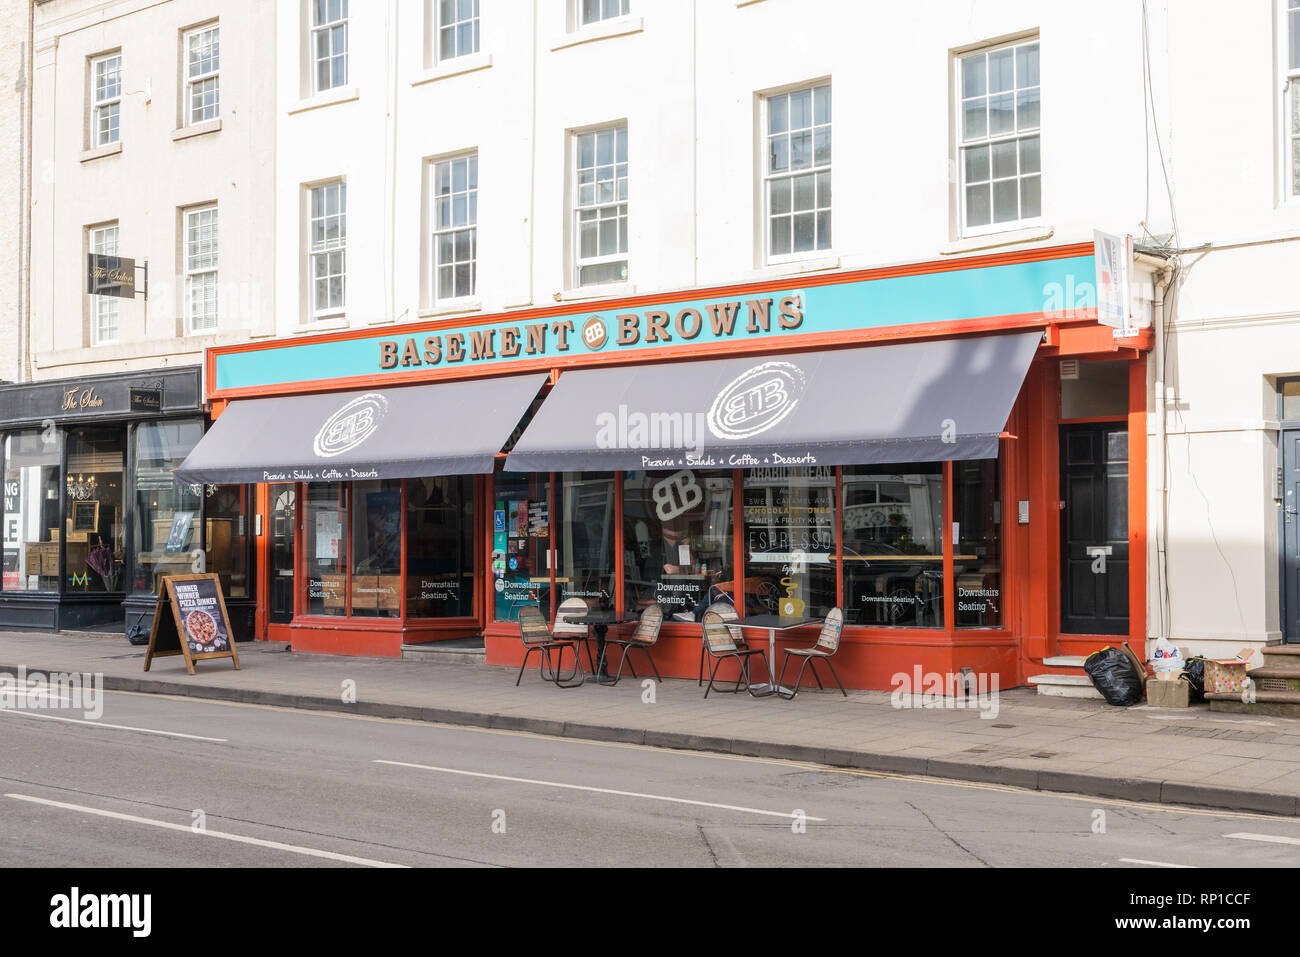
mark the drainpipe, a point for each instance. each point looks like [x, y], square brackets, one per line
[1161, 280]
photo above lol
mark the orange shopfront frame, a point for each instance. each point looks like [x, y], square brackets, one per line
[1047, 289]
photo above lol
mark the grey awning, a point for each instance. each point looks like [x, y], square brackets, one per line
[452, 428]
[911, 402]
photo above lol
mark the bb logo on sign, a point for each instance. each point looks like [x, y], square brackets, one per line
[594, 334]
[756, 400]
[351, 425]
[676, 495]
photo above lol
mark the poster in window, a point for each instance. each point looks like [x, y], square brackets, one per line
[178, 535]
[328, 532]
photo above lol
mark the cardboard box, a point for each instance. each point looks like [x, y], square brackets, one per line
[1225, 676]
[1168, 694]
[1228, 675]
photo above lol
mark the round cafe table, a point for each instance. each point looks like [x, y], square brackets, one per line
[598, 623]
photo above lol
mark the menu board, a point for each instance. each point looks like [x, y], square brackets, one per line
[198, 626]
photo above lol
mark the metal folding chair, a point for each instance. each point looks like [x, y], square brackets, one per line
[536, 636]
[720, 645]
[828, 642]
[644, 637]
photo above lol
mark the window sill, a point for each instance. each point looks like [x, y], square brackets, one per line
[451, 307]
[340, 94]
[198, 129]
[788, 267]
[617, 27]
[108, 149]
[457, 66]
[1008, 237]
[611, 290]
[321, 325]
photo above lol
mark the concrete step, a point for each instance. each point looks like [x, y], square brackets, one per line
[1281, 656]
[456, 652]
[1064, 661]
[1277, 704]
[1065, 686]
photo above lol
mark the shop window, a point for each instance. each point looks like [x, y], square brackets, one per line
[377, 549]
[521, 541]
[584, 545]
[789, 541]
[677, 539]
[440, 547]
[977, 564]
[93, 518]
[31, 517]
[893, 546]
[166, 514]
[226, 524]
[326, 555]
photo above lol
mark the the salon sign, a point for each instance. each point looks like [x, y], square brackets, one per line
[650, 327]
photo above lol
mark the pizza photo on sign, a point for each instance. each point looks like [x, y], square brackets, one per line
[202, 629]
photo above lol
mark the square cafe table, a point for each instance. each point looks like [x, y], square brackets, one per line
[600, 621]
[773, 624]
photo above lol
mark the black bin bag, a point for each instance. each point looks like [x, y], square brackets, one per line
[1113, 674]
[1194, 675]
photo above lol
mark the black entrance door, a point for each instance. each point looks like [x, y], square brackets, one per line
[281, 554]
[1094, 529]
[1291, 533]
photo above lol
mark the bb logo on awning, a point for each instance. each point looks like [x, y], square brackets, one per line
[756, 400]
[351, 425]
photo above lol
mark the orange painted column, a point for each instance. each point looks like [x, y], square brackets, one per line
[1137, 504]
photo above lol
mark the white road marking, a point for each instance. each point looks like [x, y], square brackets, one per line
[1269, 838]
[207, 832]
[101, 724]
[582, 787]
[1134, 860]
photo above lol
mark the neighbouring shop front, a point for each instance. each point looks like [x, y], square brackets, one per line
[939, 449]
[92, 514]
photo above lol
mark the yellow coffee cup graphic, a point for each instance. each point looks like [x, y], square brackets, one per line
[791, 606]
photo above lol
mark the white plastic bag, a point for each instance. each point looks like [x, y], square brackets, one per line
[1166, 656]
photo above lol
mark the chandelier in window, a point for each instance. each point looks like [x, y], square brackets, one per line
[81, 487]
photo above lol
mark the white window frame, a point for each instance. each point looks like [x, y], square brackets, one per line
[328, 28]
[201, 266]
[437, 230]
[815, 170]
[1290, 119]
[441, 25]
[103, 240]
[195, 82]
[327, 248]
[623, 9]
[619, 198]
[99, 105]
[1016, 134]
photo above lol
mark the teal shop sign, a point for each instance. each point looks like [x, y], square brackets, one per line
[1054, 288]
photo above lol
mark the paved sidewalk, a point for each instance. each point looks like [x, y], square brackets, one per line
[1175, 756]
